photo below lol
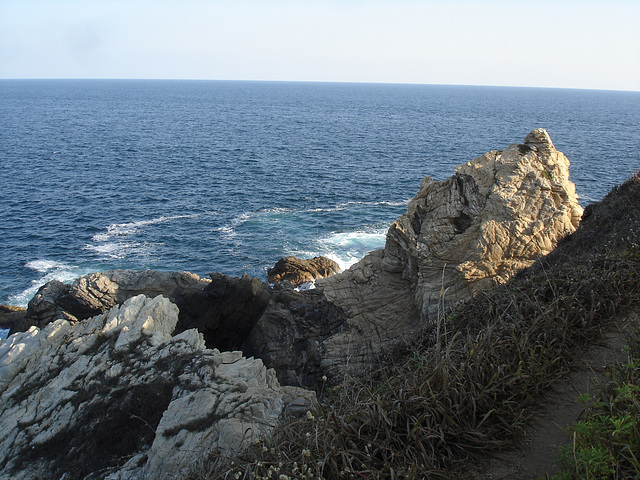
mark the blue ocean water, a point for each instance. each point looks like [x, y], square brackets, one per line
[210, 176]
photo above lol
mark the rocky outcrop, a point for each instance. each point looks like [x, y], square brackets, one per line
[10, 315]
[298, 271]
[496, 215]
[116, 396]
[95, 293]
[223, 308]
[291, 334]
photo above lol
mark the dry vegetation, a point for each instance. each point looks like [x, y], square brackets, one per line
[466, 387]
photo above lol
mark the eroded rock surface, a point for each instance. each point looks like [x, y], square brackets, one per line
[118, 397]
[291, 335]
[95, 293]
[222, 308]
[496, 215]
[298, 271]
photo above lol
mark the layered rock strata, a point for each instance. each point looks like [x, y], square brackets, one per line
[496, 215]
[117, 397]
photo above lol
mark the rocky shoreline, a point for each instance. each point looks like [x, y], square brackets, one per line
[178, 365]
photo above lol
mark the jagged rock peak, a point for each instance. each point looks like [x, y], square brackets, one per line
[540, 139]
[497, 214]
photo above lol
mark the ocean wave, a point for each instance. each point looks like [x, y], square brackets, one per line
[115, 243]
[346, 205]
[229, 230]
[52, 270]
[116, 250]
[345, 248]
[131, 228]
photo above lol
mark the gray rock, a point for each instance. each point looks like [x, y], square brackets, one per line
[95, 293]
[117, 396]
[290, 335]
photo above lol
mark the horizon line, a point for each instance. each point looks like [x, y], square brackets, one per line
[355, 82]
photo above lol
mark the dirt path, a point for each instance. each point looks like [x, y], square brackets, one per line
[535, 459]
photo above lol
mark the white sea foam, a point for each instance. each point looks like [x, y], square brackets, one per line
[52, 270]
[4, 333]
[310, 285]
[44, 266]
[115, 250]
[227, 231]
[115, 243]
[131, 228]
[230, 229]
[351, 204]
[345, 248]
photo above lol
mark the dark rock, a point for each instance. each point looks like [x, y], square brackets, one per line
[290, 335]
[10, 315]
[95, 293]
[225, 311]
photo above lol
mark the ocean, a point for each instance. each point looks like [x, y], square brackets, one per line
[217, 176]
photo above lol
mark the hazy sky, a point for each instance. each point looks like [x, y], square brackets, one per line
[555, 43]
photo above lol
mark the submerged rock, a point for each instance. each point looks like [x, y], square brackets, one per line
[116, 396]
[298, 271]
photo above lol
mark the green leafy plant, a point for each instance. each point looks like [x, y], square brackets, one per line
[606, 444]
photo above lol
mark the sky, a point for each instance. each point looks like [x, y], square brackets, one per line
[589, 44]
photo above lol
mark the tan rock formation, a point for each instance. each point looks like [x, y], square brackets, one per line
[497, 214]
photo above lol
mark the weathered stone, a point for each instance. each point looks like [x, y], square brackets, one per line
[223, 308]
[496, 215]
[290, 335]
[298, 271]
[79, 400]
[95, 293]
[10, 315]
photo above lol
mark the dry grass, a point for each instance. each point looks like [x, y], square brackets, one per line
[465, 388]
